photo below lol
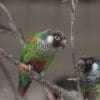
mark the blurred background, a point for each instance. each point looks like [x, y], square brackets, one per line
[33, 16]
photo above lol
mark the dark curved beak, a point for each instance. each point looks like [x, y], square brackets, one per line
[63, 43]
[80, 62]
[81, 65]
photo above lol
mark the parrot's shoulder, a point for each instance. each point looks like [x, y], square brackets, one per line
[34, 37]
[31, 40]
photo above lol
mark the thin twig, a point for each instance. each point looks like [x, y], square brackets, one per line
[5, 27]
[11, 24]
[73, 4]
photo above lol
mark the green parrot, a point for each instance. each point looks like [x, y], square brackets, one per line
[39, 52]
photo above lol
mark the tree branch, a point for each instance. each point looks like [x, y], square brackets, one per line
[58, 92]
[42, 80]
[11, 25]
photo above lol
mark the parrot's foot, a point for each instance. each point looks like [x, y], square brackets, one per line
[24, 67]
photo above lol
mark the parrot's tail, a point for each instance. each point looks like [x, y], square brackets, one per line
[22, 89]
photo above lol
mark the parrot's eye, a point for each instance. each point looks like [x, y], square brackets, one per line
[89, 61]
[57, 38]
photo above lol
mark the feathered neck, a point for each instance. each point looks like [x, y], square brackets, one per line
[46, 48]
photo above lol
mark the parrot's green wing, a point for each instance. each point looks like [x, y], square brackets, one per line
[31, 50]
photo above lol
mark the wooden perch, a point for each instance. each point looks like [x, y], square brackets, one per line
[59, 92]
[42, 80]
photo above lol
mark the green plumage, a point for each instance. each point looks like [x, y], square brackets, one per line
[31, 51]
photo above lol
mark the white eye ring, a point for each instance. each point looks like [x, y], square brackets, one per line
[57, 38]
[89, 61]
[50, 39]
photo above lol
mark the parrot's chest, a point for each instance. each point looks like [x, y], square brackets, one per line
[38, 64]
[39, 58]
[40, 61]
[91, 83]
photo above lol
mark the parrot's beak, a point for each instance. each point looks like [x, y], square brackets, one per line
[63, 43]
[81, 65]
[80, 62]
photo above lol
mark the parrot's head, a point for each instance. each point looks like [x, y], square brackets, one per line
[56, 39]
[87, 64]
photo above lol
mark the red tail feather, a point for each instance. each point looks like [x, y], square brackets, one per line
[22, 89]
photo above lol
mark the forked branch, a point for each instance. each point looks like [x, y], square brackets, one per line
[11, 25]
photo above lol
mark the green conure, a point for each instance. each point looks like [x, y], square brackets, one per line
[39, 52]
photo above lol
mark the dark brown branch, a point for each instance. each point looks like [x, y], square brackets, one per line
[56, 90]
[5, 27]
[52, 87]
